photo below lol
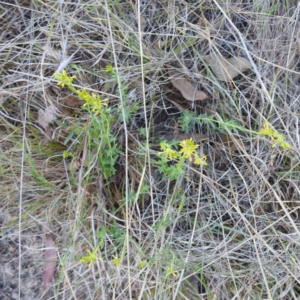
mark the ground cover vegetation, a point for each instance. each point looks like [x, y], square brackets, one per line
[149, 149]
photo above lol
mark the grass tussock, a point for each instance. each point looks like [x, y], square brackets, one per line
[147, 194]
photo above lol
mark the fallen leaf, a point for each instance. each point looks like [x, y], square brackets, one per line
[46, 117]
[50, 258]
[188, 91]
[73, 101]
[226, 69]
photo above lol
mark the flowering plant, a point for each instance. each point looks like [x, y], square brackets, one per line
[102, 119]
[169, 153]
[277, 138]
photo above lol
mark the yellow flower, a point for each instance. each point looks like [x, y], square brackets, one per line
[109, 69]
[116, 260]
[200, 160]
[168, 151]
[171, 271]
[84, 95]
[266, 130]
[92, 100]
[276, 137]
[188, 147]
[142, 264]
[63, 79]
[91, 257]
[279, 139]
[286, 145]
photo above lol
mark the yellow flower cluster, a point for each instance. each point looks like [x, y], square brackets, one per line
[277, 138]
[92, 100]
[172, 271]
[168, 151]
[64, 79]
[109, 69]
[91, 257]
[187, 151]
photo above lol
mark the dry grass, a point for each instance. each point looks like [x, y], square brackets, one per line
[226, 231]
